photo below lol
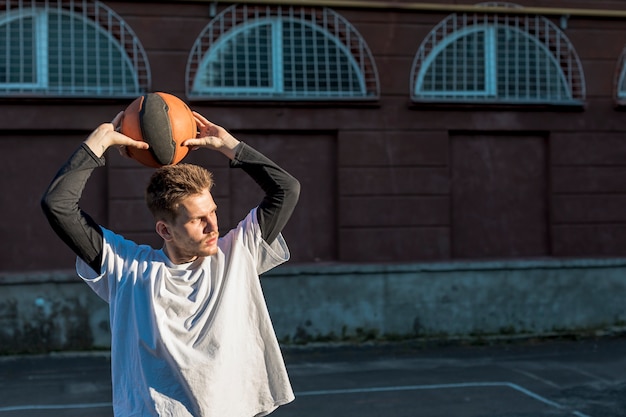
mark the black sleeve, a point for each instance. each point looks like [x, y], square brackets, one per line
[60, 205]
[281, 189]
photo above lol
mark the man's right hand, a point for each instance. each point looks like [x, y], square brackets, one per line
[106, 135]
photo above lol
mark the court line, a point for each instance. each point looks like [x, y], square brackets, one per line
[54, 407]
[536, 377]
[337, 392]
[586, 373]
[442, 386]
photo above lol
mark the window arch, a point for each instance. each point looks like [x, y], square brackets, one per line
[77, 49]
[491, 58]
[280, 53]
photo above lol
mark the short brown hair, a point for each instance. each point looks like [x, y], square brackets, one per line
[170, 184]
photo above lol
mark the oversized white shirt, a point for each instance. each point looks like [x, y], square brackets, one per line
[194, 339]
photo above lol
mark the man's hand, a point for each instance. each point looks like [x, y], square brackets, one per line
[106, 135]
[213, 137]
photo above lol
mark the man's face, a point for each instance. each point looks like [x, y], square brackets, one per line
[194, 233]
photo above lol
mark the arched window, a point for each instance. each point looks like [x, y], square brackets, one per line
[280, 53]
[77, 49]
[497, 58]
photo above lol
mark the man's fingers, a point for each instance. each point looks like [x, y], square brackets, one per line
[194, 143]
[200, 119]
[117, 119]
[123, 140]
[136, 144]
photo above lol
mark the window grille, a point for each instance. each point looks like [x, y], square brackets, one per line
[68, 48]
[483, 58]
[280, 53]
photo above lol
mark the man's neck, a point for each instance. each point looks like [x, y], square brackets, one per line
[177, 259]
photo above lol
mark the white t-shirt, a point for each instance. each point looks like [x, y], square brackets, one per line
[193, 339]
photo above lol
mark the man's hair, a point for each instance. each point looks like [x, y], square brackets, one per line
[170, 184]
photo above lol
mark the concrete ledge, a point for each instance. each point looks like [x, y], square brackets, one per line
[38, 277]
[55, 311]
[63, 314]
[446, 300]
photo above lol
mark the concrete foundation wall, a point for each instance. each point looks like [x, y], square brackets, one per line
[448, 300]
[44, 312]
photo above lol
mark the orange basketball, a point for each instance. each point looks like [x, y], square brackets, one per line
[163, 121]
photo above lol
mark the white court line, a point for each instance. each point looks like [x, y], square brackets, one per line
[442, 386]
[537, 377]
[586, 373]
[54, 407]
[336, 392]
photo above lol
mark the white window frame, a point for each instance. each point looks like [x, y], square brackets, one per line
[41, 52]
[276, 55]
[489, 56]
[208, 45]
[456, 26]
[40, 12]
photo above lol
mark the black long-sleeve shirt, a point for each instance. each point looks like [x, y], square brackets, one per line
[84, 236]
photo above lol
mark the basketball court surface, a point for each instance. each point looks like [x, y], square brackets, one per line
[565, 378]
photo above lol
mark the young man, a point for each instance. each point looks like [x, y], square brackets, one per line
[191, 334]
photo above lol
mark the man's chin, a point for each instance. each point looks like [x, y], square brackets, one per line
[209, 252]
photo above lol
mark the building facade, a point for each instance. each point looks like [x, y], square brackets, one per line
[449, 131]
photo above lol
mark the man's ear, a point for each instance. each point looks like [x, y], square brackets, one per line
[163, 230]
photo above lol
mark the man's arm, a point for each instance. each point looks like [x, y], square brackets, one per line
[281, 190]
[60, 201]
[60, 205]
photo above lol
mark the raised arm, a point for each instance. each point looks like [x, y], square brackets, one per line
[60, 201]
[281, 189]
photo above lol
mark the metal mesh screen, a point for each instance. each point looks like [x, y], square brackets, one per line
[243, 61]
[497, 58]
[291, 53]
[68, 48]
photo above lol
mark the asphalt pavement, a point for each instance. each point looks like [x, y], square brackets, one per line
[525, 378]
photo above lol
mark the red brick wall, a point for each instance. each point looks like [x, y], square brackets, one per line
[382, 182]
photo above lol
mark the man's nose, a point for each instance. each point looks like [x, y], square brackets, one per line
[211, 225]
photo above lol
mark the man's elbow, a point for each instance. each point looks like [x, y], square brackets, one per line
[46, 204]
[293, 192]
[53, 208]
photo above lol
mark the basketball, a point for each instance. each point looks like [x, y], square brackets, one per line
[163, 121]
